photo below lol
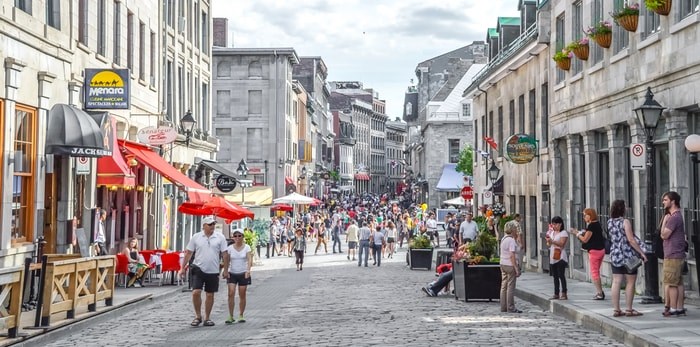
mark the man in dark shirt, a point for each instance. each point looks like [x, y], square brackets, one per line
[673, 234]
[451, 229]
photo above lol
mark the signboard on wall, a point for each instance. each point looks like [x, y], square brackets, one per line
[106, 89]
[82, 166]
[520, 149]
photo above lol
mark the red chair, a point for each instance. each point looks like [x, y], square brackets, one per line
[170, 264]
[122, 267]
[147, 259]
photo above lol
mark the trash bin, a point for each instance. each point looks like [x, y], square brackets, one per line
[443, 257]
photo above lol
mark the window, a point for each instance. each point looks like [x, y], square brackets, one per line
[255, 102]
[169, 87]
[254, 148]
[453, 150]
[101, 31]
[142, 51]
[205, 106]
[117, 32]
[224, 137]
[499, 136]
[255, 69]
[603, 153]
[511, 117]
[23, 176]
[596, 53]
[490, 125]
[223, 102]
[223, 69]
[24, 5]
[205, 33]
[53, 13]
[83, 22]
[153, 59]
[170, 12]
[651, 22]
[196, 17]
[687, 7]
[130, 41]
[559, 44]
[576, 33]
[544, 116]
[531, 114]
[521, 112]
[621, 38]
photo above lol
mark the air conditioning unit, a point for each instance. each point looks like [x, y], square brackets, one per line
[181, 24]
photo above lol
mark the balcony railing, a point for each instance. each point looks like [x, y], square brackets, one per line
[448, 116]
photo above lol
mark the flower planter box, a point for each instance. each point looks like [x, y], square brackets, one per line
[664, 9]
[477, 282]
[629, 23]
[420, 258]
[581, 52]
[603, 40]
[564, 64]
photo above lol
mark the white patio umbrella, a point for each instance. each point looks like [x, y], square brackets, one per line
[294, 199]
[458, 201]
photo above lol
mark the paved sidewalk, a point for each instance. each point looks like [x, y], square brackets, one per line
[651, 329]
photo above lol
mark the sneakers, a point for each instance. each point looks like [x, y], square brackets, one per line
[429, 292]
[230, 320]
[241, 319]
[515, 311]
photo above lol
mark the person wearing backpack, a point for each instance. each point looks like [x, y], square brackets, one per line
[593, 241]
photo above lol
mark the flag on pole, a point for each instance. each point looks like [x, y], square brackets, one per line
[491, 142]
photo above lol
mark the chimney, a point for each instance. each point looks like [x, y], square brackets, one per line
[221, 32]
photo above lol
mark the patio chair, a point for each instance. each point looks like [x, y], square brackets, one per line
[170, 265]
[122, 268]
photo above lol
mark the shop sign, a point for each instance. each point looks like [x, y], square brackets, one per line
[82, 166]
[107, 89]
[225, 184]
[520, 149]
[157, 136]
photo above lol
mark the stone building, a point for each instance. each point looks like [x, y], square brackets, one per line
[254, 113]
[378, 181]
[395, 161]
[59, 175]
[344, 150]
[439, 120]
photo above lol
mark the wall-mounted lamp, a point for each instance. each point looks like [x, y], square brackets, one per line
[281, 163]
[187, 123]
[140, 188]
[149, 189]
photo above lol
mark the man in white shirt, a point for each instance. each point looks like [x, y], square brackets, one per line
[208, 246]
[431, 226]
[468, 230]
[100, 239]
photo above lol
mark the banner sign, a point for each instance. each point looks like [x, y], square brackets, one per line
[153, 136]
[106, 89]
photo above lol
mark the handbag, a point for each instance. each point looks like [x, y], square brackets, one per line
[557, 254]
[632, 263]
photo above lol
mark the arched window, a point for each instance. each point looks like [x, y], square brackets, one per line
[223, 69]
[255, 69]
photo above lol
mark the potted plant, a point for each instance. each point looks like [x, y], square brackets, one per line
[563, 59]
[579, 48]
[662, 7]
[420, 253]
[476, 274]
[601, 33]
[627, 17]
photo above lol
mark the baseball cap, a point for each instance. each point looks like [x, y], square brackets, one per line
[237, 231]
[208, 220]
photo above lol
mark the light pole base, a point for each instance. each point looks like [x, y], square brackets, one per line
[651, 299]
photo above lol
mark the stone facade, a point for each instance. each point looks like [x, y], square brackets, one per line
[396, 135]
[378, 184]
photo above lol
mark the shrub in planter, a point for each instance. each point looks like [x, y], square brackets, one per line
[485, 245]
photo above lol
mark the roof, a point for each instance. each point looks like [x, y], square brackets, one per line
[508, 21]
[492, 32]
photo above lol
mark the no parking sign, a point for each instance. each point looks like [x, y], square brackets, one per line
[82, 166]
[488, 197]
[638, 155]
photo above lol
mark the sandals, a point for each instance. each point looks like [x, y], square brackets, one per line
[209, 323]
[196, 322]
[633, 313]
[600, 296]
[618, 313]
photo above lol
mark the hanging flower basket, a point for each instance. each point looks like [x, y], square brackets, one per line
[661, 7]
[563, 59]
[603, 40]
[581, 52]
[564, 64]
[627, 17]
[629, 23]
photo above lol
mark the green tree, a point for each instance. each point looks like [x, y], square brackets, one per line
[466, 161]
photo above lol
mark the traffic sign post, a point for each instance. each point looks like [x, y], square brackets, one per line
[488, 197]
[467, 193]
[638, 154]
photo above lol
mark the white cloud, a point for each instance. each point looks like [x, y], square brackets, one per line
[376, 42]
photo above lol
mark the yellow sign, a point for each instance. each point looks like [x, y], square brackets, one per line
[106, 89]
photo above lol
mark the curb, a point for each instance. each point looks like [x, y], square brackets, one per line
[52, 333]
[592, 321]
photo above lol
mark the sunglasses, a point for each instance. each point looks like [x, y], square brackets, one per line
[210, 224]
[239, 235]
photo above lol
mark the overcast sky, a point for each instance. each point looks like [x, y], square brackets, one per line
[376, 42]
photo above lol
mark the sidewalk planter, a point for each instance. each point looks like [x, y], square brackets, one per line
[661, 7]
[420, 258]
[629, 23]
[477, 282]
[603, 40]
[564, 64]
[581, 52]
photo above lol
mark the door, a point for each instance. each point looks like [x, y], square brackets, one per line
[546, 216]
[50, 216]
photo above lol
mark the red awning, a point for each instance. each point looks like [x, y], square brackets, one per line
[288, 180]
[196, 193]
[113, 170]
[217, 206]
[362, 177]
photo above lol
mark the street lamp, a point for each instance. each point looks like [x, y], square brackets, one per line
[242, 171]
[648, 115]
[187, 123]
[493, 172]
[692, 144]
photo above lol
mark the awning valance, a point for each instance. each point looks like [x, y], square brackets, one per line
[362, 177]
[196, 193]
[450, 180]
[74, 133]
[113, 170]
[254, 196]
[218, 168]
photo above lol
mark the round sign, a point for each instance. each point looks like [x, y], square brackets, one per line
[637, 150]
[467, 193]
[520, 149]
[225, 184]
[82, 160]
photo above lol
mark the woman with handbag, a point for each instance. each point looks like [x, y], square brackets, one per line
[593, 241]
[626, 255]
[558, 261]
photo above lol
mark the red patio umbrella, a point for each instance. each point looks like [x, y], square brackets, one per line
[217, 206]
[282, 207]
[316, 202]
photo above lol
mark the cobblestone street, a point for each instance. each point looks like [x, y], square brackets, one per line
[333, 302]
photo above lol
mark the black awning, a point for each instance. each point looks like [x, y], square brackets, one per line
[218, 168]
[73, 132]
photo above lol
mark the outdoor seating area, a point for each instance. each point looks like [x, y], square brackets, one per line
[161, 263]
